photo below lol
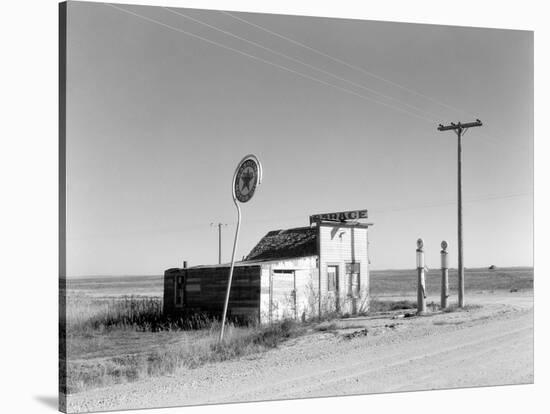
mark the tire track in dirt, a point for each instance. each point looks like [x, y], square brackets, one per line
[332, 378]
[487, 346]
[429, 371]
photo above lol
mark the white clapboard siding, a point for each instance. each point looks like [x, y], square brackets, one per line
[338, 246]
[276, 288]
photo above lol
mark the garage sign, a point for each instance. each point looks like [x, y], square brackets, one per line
[339, 216]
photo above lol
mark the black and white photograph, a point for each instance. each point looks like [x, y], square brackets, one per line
[284, 206]
[265, 207]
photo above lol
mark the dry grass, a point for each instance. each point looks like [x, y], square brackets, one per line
[85, 313]
[115, 340]
[196, 348]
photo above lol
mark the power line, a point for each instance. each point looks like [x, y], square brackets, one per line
[500, 143]
[349, 65]
[387, 209]
[374, 75]
[447, 203]
[427, 113]
[269, 62]
[201, 227]
[358, 85]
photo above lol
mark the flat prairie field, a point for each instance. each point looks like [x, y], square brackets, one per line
[382, 282]
[113, 286]
[478, 280]
[116, 333]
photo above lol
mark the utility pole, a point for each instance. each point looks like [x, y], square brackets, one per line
[460, 129]
[219, 240]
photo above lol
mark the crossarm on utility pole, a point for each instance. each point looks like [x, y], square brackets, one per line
[459, 128]
[460, 125]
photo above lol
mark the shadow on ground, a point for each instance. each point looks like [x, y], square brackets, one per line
[48, 401]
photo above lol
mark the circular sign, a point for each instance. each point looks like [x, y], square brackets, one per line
[444, 245]
[246, 180]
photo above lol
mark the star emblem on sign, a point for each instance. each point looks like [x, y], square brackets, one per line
[246, 178]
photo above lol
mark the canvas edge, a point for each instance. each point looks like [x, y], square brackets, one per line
[62, 373]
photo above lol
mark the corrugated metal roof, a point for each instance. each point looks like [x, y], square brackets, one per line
[285, 244]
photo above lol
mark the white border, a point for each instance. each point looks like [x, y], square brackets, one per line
[28, 158]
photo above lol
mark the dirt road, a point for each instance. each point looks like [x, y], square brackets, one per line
[489, 345]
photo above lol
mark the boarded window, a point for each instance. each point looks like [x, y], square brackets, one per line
[332, 277]
[353, 279]
[179, 290]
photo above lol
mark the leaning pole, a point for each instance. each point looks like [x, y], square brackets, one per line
[247, 177]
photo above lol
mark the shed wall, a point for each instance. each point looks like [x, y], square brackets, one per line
[205, 289]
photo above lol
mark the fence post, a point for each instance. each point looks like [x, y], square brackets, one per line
[421, 285]
[444, 275]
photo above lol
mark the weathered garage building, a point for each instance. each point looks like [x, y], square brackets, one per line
[297, 273]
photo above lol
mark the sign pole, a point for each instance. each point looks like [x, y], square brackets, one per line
[247, 177]
[231, 268]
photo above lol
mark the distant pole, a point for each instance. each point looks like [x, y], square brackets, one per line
[460, 129]
[444, 275]
[421, 283]
[219, 225]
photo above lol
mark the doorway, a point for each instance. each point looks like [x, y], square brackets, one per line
[282, 304]
[333, 287]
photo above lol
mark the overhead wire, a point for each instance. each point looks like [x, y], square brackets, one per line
[374, 75]
[201, 226]
[364, 97]
[316, 68]
[343, 62]
[453, 202]
[190, 34]
[414, 114]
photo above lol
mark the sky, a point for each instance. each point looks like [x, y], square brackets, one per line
[161, 108]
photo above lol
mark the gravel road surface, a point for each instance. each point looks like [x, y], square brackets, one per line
[487, 345]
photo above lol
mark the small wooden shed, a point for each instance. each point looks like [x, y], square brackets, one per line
[297, 273]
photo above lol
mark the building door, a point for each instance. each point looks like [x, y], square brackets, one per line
[334, 285]
[179, 291]
[283, 295]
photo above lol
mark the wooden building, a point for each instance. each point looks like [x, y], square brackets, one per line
[297, 273]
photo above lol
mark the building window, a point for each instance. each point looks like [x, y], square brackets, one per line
[353, 279]
[179, 290]
[332, 277]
